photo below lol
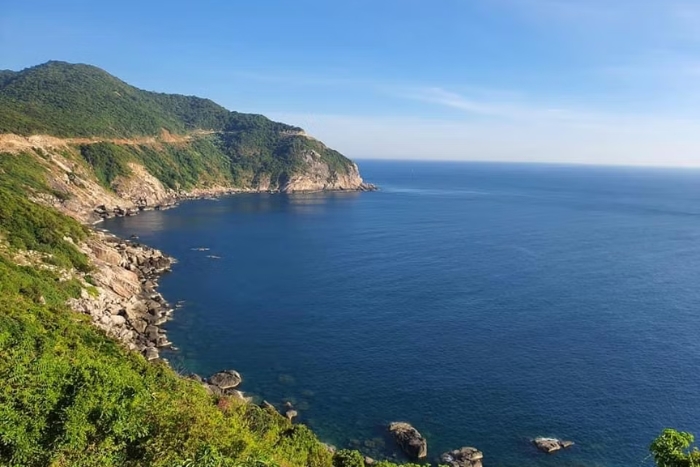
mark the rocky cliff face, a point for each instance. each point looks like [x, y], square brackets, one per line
[317, 176]
[124, 300]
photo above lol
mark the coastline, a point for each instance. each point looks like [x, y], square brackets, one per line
[104, 212]
[125, 301]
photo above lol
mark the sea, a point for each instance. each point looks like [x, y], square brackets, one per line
[486, 304]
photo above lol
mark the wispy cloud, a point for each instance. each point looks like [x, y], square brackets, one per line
[515, 111]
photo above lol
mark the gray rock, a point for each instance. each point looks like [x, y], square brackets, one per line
[550, 445]
[411, 441]
[465, 457]
[118, 320]
[163, 341]
[139, 325]
[152, 333]
[213, 390]
[226, 379]
[151, 353]
[290, 414]
[369, 460]
[195, 377]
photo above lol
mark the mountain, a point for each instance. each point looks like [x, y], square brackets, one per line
[184, 142]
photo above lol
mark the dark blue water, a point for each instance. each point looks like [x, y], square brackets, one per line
[486, 304]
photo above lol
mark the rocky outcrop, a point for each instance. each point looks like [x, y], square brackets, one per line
[411, 441]
[228, 379]
[550, 445]
[121, 295]
[465, 457]
[318, 176]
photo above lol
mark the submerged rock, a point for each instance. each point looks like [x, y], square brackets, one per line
[465, 457]
[410, 440]
[226, 379]
[550, 445]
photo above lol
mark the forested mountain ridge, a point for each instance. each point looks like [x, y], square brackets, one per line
[68, 100]
[184, 142]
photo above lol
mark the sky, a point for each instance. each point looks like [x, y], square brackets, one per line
[579, 81]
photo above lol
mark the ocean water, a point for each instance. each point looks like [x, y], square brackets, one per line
[486, 304]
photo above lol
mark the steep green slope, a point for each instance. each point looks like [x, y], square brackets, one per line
[243, 150]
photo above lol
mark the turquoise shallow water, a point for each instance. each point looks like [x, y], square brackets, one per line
[485, 303]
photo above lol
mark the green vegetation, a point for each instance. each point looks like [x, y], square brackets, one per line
[199, 163]
[26, 225]
[69, 100]
[108, 160]
[348, 458]
[673, 449]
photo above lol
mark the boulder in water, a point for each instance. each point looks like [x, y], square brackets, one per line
[465, 457]
[226, 379]
[410, 440]
[550, 445]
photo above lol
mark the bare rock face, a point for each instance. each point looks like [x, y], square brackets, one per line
[228, 379]
[465, 457]
[550, 445]
[317, 176]
[411, 441]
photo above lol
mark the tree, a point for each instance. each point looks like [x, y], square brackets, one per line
[673, 449]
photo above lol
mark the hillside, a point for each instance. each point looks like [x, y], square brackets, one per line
[184, 142]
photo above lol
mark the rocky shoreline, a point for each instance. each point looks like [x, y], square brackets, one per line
[104, 211]
[122, 296]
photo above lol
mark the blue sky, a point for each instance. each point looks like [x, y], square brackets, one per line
[585, 81]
